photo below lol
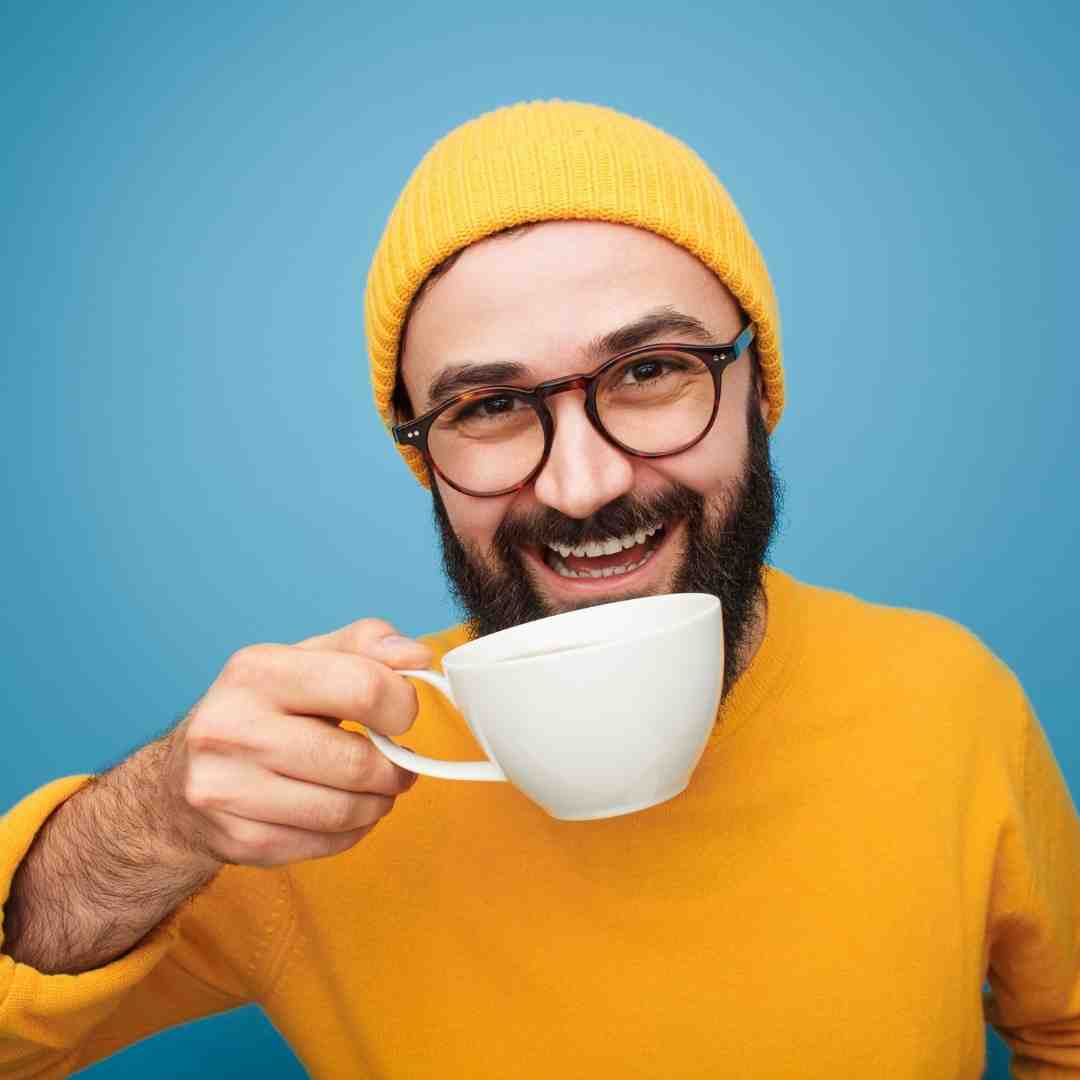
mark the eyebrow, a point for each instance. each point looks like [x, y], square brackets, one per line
[653, 324]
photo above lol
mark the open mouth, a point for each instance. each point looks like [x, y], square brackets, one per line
[606, 558]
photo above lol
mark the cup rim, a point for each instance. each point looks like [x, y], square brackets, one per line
[460, 656]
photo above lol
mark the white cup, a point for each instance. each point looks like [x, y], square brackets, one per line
[591, 713]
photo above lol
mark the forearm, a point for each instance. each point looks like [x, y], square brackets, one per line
[106, 868]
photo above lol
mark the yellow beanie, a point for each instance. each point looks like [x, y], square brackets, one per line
[557, 160]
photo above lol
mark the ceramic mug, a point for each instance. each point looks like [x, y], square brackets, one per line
[591, 713]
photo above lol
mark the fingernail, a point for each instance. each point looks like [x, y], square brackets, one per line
[396, 641]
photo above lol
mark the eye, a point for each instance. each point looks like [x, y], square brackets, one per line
[653, 378]
[495, 405]
[486, 408]
[487, 416]
[645, 370]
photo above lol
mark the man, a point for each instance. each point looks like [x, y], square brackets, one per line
[876, 828]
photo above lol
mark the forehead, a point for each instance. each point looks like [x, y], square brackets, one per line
[541, 296]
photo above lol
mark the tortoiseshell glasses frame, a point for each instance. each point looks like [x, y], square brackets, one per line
[717, 358]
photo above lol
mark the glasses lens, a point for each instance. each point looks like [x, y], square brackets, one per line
[487, 443]
[656, 403]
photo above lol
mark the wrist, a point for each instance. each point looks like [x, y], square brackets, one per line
[179, 838]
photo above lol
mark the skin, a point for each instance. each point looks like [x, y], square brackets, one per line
[539, 298]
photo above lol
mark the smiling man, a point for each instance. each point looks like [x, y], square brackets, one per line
[575, 343]
[692, 510]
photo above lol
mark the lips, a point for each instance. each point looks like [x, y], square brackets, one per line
[613, 557]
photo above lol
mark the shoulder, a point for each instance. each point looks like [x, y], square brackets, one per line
[898, 638]
[928, 663]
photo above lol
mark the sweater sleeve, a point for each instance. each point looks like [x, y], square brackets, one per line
[212, 954]
[1034, 931]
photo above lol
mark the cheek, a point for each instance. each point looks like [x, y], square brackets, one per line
[716, 462]
[473, 520]
[721, 456]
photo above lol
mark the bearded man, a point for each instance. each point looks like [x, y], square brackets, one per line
[876, 830]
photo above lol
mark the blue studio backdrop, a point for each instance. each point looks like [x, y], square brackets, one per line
[190, 458]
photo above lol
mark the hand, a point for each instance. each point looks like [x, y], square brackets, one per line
[258, 773]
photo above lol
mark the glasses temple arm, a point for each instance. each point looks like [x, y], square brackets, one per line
[742, 342]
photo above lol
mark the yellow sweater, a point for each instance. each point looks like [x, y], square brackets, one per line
[877, 826]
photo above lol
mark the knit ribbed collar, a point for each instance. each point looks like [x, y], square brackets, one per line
[775, 659]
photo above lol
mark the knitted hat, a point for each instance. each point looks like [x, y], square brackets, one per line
[558, 160]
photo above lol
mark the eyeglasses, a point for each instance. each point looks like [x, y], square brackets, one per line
[650, 402]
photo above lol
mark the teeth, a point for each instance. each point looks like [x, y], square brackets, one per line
[609, 571]
[606, 547]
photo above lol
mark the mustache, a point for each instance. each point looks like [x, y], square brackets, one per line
[627, 514]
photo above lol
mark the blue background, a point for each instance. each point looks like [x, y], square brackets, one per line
[190, 459]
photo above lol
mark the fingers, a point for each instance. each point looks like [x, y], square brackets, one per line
[244, 790]
[338, 685]
[375, 638]
[304, 748]
[253, 843]
[259, 770]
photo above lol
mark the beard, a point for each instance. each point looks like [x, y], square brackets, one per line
[726, 541]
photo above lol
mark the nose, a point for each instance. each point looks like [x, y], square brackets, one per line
[583, 471]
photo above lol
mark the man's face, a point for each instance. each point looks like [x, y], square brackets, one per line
[540, 299]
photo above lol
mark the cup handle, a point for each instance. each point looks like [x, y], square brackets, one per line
[426, 766]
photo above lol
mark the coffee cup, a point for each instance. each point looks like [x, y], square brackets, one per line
[590, 713]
